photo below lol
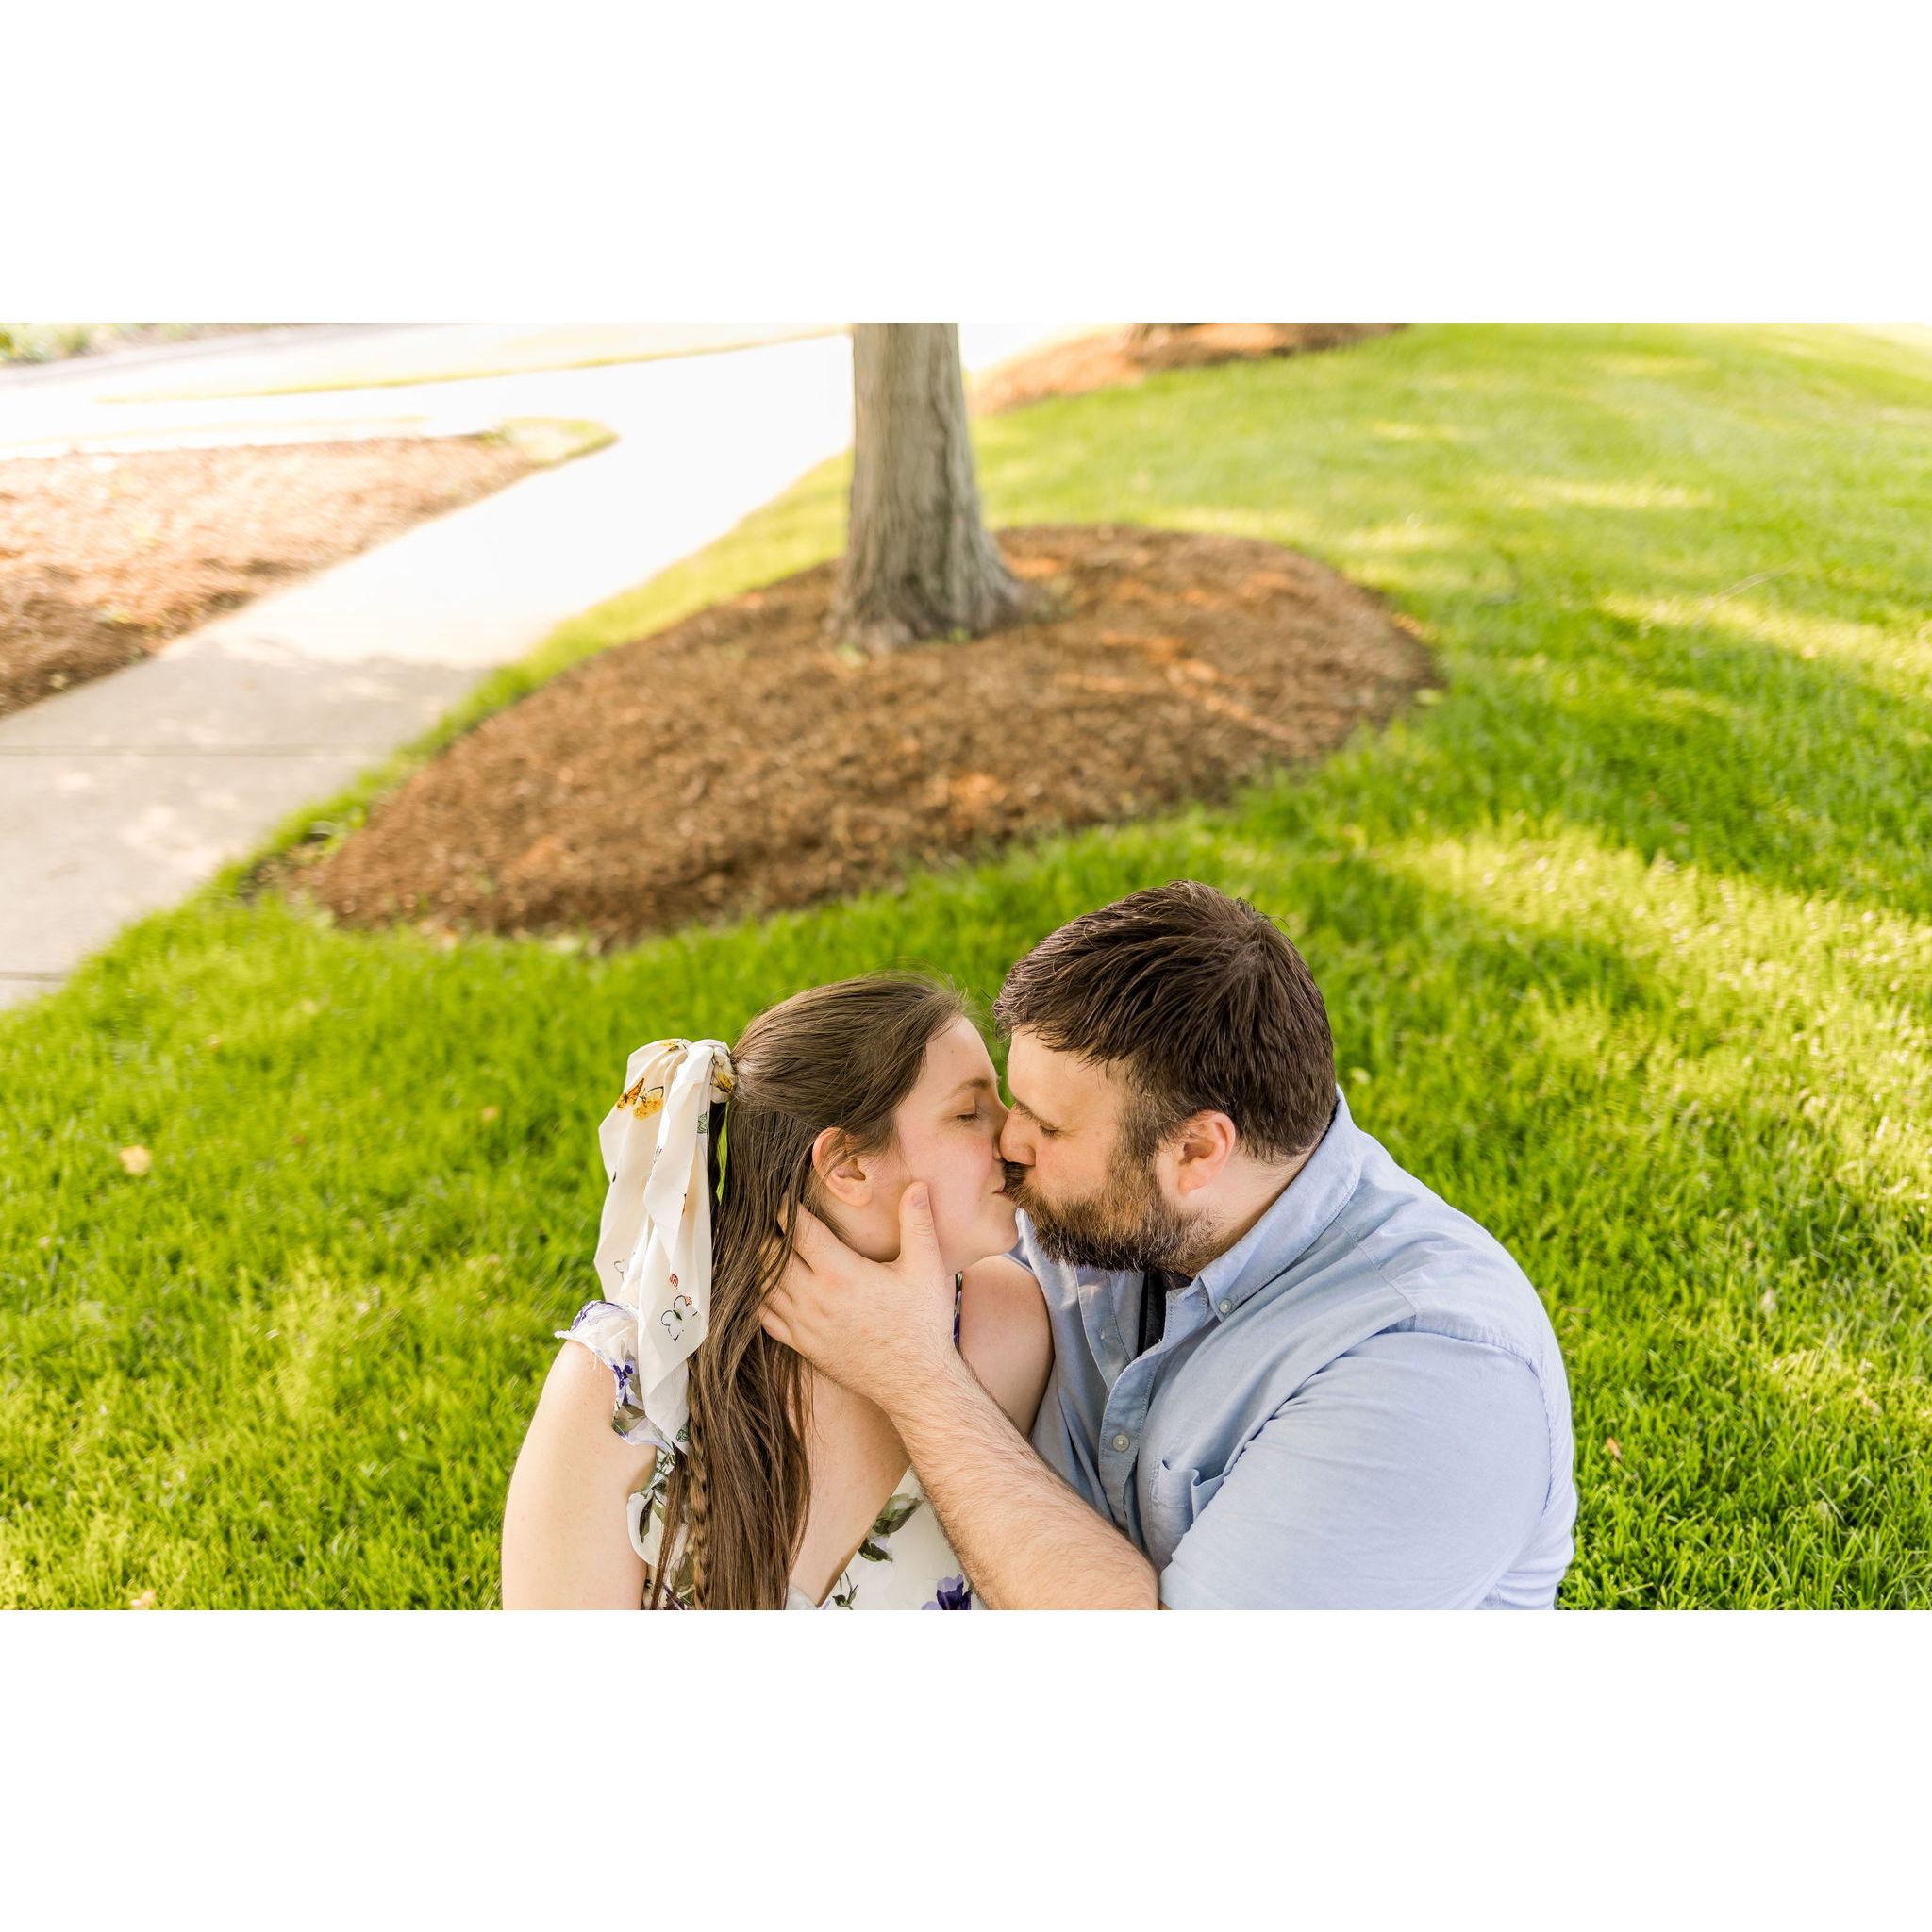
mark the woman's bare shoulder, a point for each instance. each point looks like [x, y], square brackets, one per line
[566, 1544]
[1004, 1336]
[574, 1410]
[1002, 1287]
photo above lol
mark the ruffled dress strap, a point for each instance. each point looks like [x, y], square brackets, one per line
[609, 1331]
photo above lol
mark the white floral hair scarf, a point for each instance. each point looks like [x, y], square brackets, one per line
[653, 1245]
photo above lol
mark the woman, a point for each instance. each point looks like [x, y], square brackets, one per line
[770, 1485]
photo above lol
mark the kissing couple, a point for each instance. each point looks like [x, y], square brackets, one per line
[1160, 1328]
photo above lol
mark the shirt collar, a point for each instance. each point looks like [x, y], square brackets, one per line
[1295, 1220]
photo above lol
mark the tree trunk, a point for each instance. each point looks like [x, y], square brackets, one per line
[918, 562]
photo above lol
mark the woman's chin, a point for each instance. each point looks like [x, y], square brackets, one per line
[1002, 1223]
[993, 1233]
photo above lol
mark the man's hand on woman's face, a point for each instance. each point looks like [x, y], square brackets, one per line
[878, 1327]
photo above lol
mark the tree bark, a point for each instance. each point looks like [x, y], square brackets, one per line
[918, 560]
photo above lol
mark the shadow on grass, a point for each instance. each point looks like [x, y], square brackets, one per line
[1684, 744]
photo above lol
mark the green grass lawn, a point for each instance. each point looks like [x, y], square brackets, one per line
[1627, 942]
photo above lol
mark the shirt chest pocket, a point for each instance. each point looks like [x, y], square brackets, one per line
[1175, 1498]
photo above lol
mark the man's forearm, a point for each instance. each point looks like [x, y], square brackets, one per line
[1024, 1537]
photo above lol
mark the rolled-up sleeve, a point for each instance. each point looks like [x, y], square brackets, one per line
[1410, 1473]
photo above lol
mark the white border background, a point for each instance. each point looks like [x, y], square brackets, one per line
[1073, 1771]
[1684, 162]
[389, 159]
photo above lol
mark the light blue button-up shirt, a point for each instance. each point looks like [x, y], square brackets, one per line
[1360, 1405]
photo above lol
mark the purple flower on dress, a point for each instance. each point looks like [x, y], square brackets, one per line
[954, 1593]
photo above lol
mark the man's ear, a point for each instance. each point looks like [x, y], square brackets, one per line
[1201, 1149]
[842, 1172]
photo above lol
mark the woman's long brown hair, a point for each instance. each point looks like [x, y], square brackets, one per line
[842, 1056]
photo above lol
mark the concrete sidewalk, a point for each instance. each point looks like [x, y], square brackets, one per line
[119, 797]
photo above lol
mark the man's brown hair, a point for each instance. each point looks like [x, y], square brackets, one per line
[1200, 1001]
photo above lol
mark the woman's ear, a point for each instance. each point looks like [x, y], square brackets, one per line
[841, 1171]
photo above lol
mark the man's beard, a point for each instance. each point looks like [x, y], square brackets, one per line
[1126, 1225]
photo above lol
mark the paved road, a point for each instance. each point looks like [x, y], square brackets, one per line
[204, 392]
[119, 797]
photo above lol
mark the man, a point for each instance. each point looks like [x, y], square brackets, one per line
[1286, 1373]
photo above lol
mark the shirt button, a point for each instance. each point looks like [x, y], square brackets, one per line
[1228, 1308]
[1119, 1441]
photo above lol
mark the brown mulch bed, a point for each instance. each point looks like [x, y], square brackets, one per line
[103, 558]
[741, 762]
[1108, 361]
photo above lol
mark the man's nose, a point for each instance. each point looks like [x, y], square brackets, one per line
[1012, 1143]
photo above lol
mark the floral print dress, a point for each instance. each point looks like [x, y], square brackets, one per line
[905, 1562]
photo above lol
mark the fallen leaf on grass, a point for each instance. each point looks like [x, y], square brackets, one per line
[1613, 1448]
[136, 1161]
[145, 1601]
[488, 1113]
